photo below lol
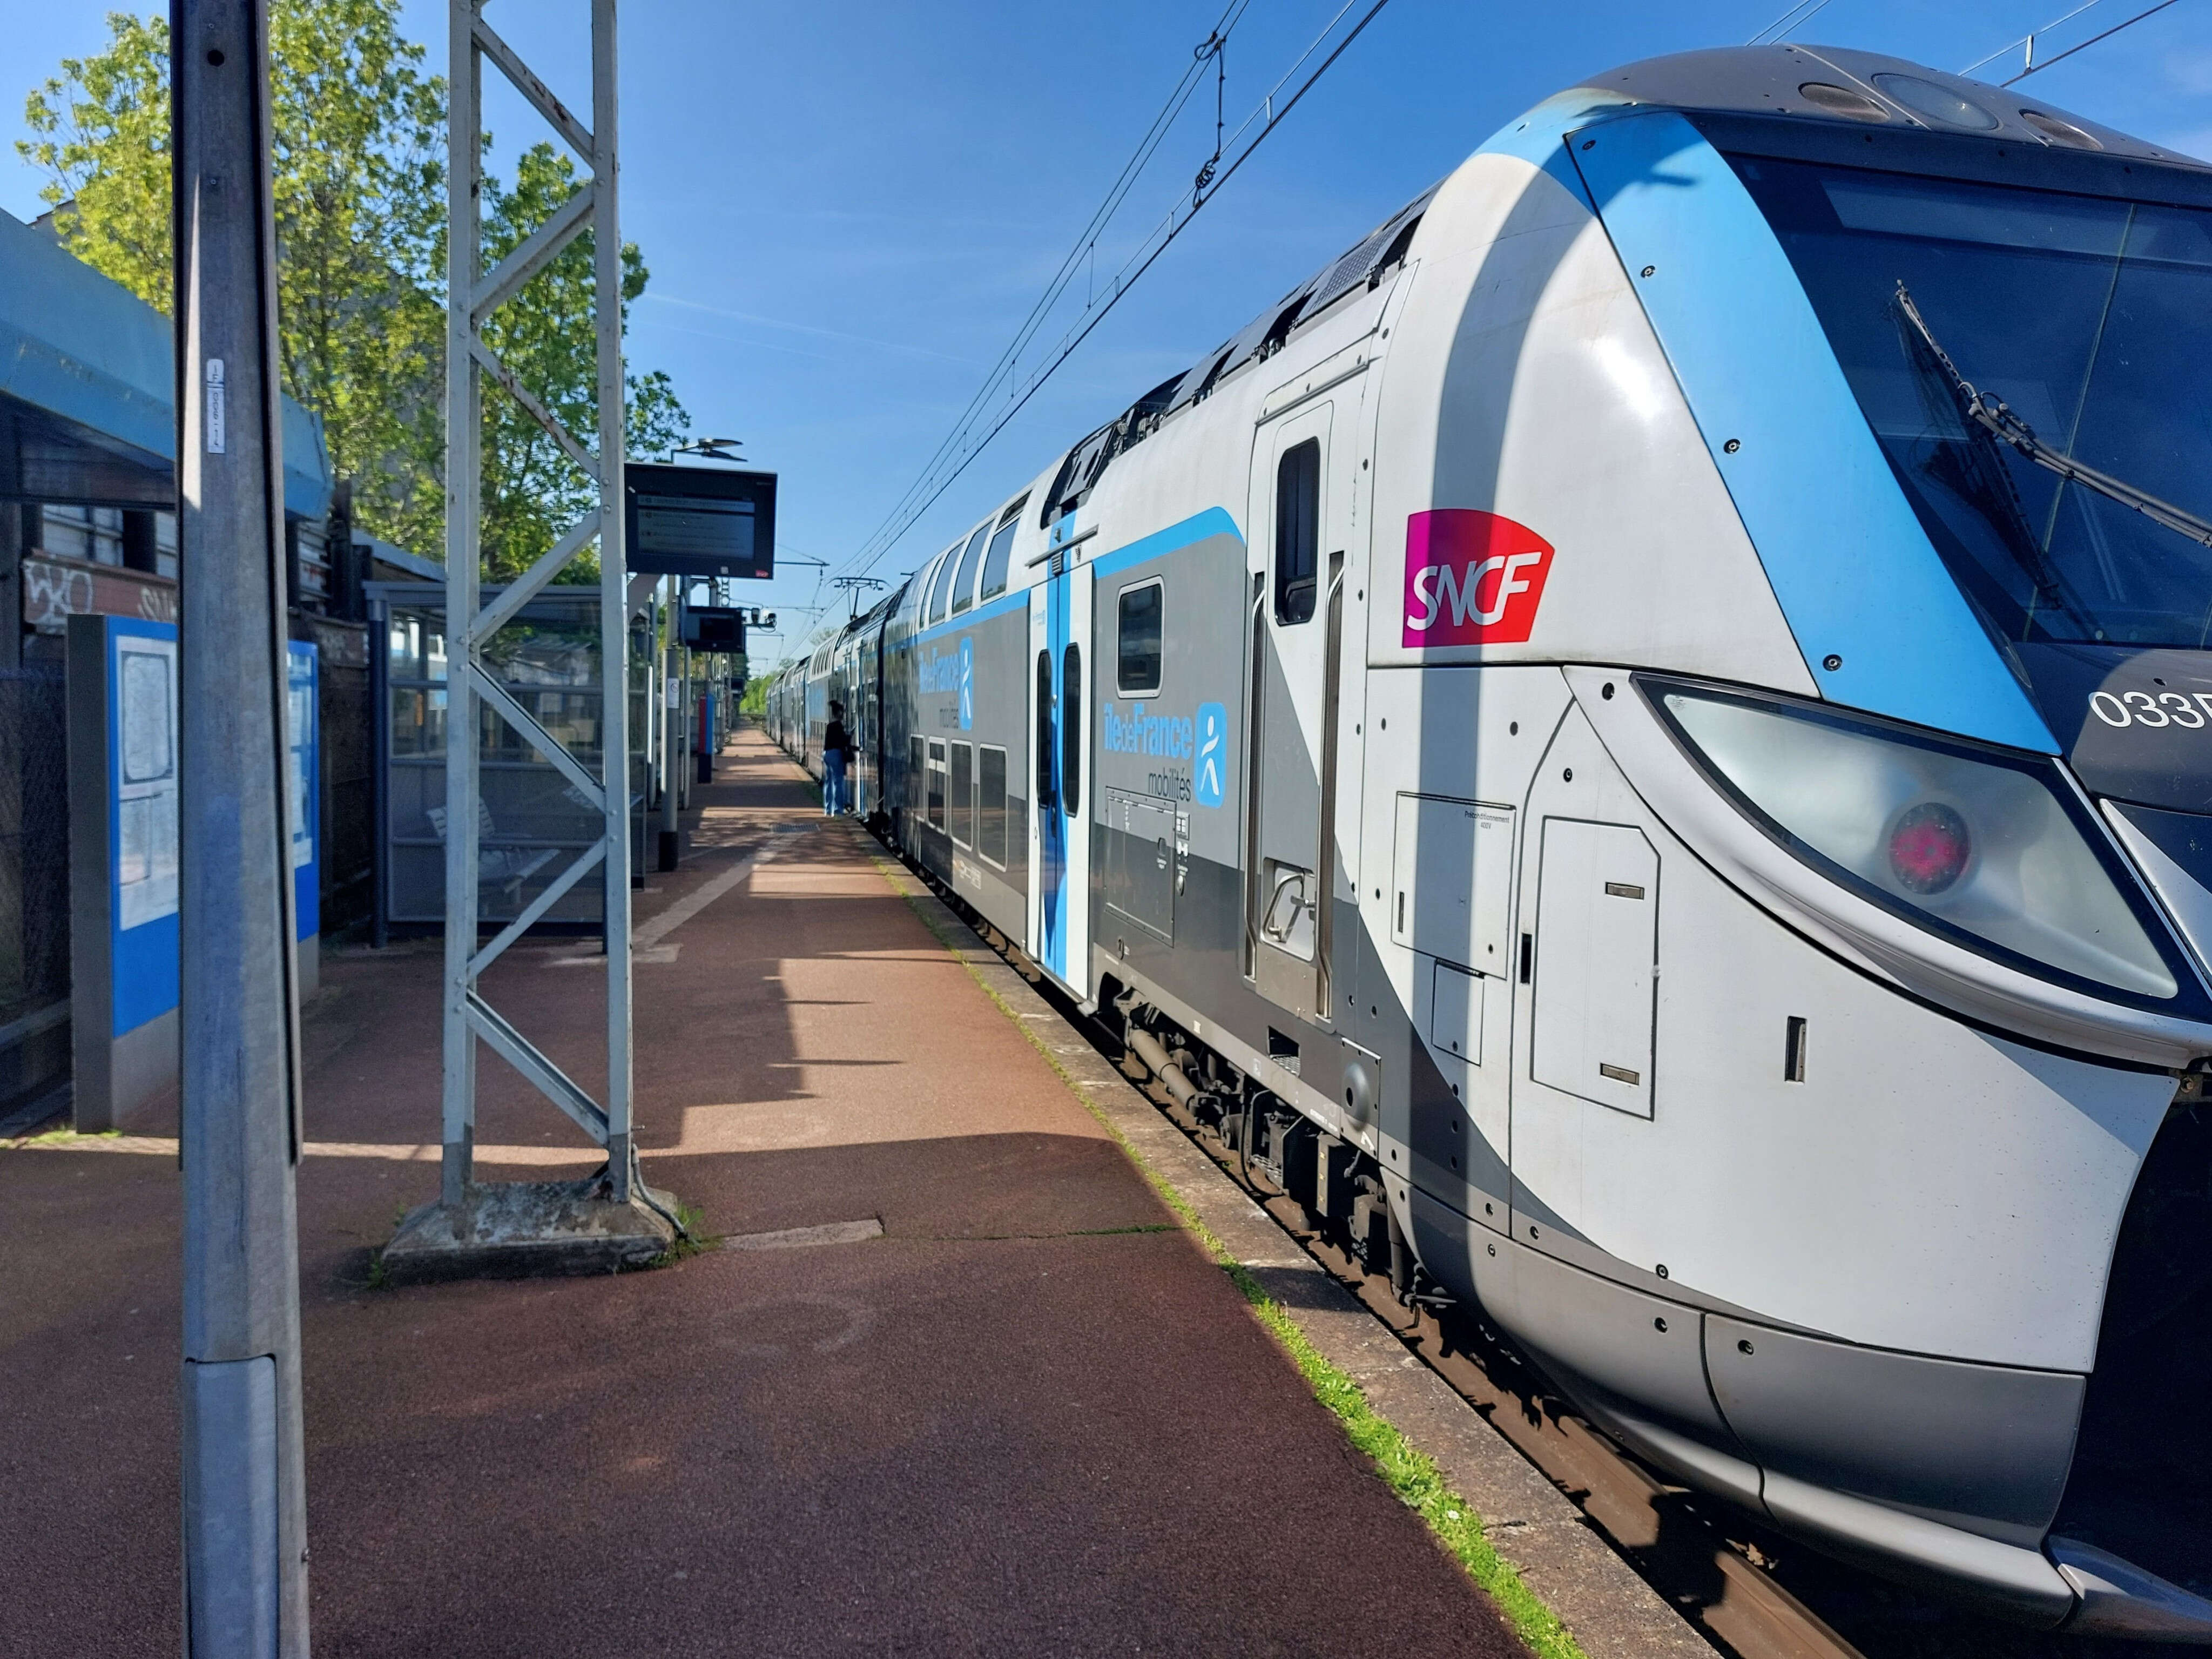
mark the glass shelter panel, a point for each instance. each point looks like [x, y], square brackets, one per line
[531, 821]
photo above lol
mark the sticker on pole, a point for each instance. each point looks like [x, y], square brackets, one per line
[1471, 578]
[216, 437]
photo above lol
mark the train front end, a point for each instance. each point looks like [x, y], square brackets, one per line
[1883, 587]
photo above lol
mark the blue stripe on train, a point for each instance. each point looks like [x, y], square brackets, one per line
[1855, 573]
[1214, 521]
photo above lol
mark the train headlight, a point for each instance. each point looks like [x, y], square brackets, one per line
[1987, 847]
[1928, 848]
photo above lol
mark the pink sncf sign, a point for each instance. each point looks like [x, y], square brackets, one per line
[1471, 578]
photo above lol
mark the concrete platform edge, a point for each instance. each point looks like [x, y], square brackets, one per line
[1606, 1607]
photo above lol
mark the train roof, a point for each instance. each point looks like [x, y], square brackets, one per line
[1360, 267]
[1826, 84]
[1830, 86]
[829, 638]
[1863, 89]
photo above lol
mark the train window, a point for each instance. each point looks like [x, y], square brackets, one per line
[937, 783]
[990, 805]
[1002, 551]
[1137, 657]
[1070, 730]
[917, 771]
[940, 584]
[960, 803]
[963, 585]
[1297, 530]
[1044, 731]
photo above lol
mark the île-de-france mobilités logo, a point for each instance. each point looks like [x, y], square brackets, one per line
[1210, 766]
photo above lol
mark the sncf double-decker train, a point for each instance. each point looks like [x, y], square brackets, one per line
[1647, 735]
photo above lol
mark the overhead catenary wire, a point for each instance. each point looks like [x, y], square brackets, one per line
[2028, 39]
[1081, 254]
[1798, 16]
[971, 435]
[2037, 68]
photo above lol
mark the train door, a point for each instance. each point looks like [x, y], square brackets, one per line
[871, 721]
[1059, 743]
[1300, 512]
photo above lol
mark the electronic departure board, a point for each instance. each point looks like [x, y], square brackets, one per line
[713, 628]
[699, 520]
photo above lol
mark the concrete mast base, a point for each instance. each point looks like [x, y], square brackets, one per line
[531, 1230]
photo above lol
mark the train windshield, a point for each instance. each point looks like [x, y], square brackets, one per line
[2090, 318]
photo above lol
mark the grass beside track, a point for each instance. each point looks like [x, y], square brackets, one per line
[1419, 1484]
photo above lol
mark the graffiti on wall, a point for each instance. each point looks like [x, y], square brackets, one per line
[54, 590]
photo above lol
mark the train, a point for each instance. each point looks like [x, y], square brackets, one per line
[1643, 742]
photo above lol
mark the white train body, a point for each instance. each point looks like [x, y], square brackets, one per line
[1573, 755]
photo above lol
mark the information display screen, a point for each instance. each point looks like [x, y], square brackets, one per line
[713, 628]
[700, 520]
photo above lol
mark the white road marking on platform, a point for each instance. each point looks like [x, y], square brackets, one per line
[644, 945]
[792, 1238]
[656, 953]
[644, 938]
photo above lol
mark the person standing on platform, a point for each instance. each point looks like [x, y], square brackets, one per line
[836, 749]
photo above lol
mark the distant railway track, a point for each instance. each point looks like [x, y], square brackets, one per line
[1751, 1592]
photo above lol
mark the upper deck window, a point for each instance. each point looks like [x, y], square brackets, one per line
[2092, 319]
[935, 612]
[963, 584]
[1002, 547]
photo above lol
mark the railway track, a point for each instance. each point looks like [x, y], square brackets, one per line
[1754, 1594]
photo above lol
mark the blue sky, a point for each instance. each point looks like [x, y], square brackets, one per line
[849, 205]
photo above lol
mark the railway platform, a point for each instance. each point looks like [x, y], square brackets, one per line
[983, 1356]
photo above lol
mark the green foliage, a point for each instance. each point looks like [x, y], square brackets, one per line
[1410, 1474]
[103, 142]
[359, 181]
[533, 491]
[359, 188]
[754, 704]
[691, 1238]
[63, 1138]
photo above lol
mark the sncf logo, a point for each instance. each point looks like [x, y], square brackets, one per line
[1471, 578]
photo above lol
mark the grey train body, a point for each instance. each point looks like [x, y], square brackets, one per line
[1387, 715]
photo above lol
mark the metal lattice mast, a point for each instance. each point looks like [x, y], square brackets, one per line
[473, 294]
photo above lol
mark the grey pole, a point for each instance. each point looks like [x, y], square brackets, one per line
[672, 824]
[686, 762]
[464, 505]
[245, 1504]
[614, 585]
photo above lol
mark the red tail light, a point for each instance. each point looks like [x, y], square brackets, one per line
[1928, 848]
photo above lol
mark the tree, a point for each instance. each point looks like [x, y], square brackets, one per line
[103, 127]
[533, 491]
[360, 180]
[359, 184]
